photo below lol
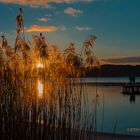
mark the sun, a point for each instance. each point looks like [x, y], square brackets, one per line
[39, 65]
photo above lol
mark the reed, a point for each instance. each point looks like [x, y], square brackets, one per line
[40, 92]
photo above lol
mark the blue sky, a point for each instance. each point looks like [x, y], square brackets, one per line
[116, 23]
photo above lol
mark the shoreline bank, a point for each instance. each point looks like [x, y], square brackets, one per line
[110, 136]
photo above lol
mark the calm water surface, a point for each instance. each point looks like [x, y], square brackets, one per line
[118, 109]
[110, 79]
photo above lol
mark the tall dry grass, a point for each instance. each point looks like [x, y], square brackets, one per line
[40, 92]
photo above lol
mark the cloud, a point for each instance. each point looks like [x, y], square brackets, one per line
[48, 6]
[43, 19]
[34, 2]
[37, 28]
[34, 6]
[83, 28]
[62, 28]
[1, 33]
[58, 12]
[88, 1]
[48, 15]
[72, 12]
[122, 60]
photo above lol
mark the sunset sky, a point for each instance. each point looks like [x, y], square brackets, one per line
[116, 23]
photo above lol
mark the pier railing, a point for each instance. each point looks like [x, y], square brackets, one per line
[131, 88]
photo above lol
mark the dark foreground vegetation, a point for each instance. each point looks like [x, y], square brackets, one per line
[38, 95]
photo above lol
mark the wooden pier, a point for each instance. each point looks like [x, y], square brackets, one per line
[130, 88]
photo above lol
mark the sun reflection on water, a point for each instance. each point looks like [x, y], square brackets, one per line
[40, 88]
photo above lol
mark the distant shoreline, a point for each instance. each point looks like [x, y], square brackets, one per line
[108, 70]
[110, 136]
[105, 83]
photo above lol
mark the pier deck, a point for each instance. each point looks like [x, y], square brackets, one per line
[129, 88]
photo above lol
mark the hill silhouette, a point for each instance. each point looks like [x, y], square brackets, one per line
[114, 71]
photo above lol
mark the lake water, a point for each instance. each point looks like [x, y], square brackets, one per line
[110, 79]
[119, 111]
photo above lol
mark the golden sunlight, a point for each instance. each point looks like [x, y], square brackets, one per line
[39, 65]
[40, 88]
